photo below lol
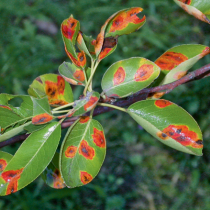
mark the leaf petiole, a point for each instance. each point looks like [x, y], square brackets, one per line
[112, 106]
[62, 107]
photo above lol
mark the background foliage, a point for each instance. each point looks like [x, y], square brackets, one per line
[139, 172]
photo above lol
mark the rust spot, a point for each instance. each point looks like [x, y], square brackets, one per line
[144, 72]
[41, 119]
[162, 135]
[98, 138]
[71, 151]
[71, 81]
[179, 75]
[12, 177]
[188, 2]
[85, 177]
[60, 84]
[162, 103]
[119, 76]
[86, 151]
[81, 59]
[183, 135]
[98, 43]
[38, 79]
[91, 103]
[5, 107]
[205, 52]
[84, 119]
[104, 52]
[170, 60]
[79, 75]
[68, 27]
[123, 19]
[3, 164]
[156, 95]
[80, 38]
[109, 42]
[58, 182]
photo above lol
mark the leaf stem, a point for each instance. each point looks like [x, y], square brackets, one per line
[64, 106]
[62, 111]
[112, 106]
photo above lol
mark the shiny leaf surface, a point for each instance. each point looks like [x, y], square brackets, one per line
[31, 159]
[128, 76]
[168, 123]
[83, 152]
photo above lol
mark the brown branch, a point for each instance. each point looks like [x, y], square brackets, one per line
[141, 95]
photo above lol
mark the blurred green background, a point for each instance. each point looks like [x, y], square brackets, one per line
[138, 172]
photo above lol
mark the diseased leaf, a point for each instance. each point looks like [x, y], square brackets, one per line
[31, 159]
[176, 62]
[32, 128]
[83, 105]
[168, 123]
[4, 160]
[72, 74]
[53, 86]
[41, 111]
[52, 176]
[199, 9]
[82, 153]
[128, 76]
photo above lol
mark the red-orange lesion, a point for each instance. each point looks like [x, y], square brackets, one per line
[58, 181]
[71, 151]
[205, 52]
[179, 75]
[170, 60]
[183, 135]
[79, 75]
[99, 138]
[3, 164]
[85, 177]
[144, 72]
[119, 76]
[55, 91]
[104, 52]
[91, 103]
[84, 119]
[188, 2]
[42, 119]
[5, 107]
[98, 43]
[11, 177]
[86, 151]
[162, 135]
[79, 38]
[162, 103]
[68, 27]
[122, 20]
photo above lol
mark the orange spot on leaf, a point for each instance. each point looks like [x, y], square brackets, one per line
[98, 138]
[12, 177]
[71, 151]
[179, 75]
[156, 95]
[185, 1]
[162, 135]
[58, 182]
[205, 52]
[5, 107]
[86, 151]
[79, 75]
[162, 103]
[68, 27]
[119, 76]
[84, 119]
[104, 53]
[85, 177]
[170, 60]
[3, 164]
[41, 119]
[144, 72]
[183, 135]
[91, 103]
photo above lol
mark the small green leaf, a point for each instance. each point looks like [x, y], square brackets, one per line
[31, 159]
[53, 86]
[52, 176]
[82, 45]
[4, 160]
[168, 123]
[32, 128]
[82, 153]
[72, 74]
[199, 9]
[128, 76]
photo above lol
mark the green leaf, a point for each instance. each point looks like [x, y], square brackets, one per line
[53, 86]
[13, 131]
[31, 159]
[52, 176]
[82, 44]
[199, 9]
[128, 76]
[83, 105]
[32, 128]
[168, 123]
[4, 160]
[83, 152]
[41, 111]
[72, 74]
[125, 22]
